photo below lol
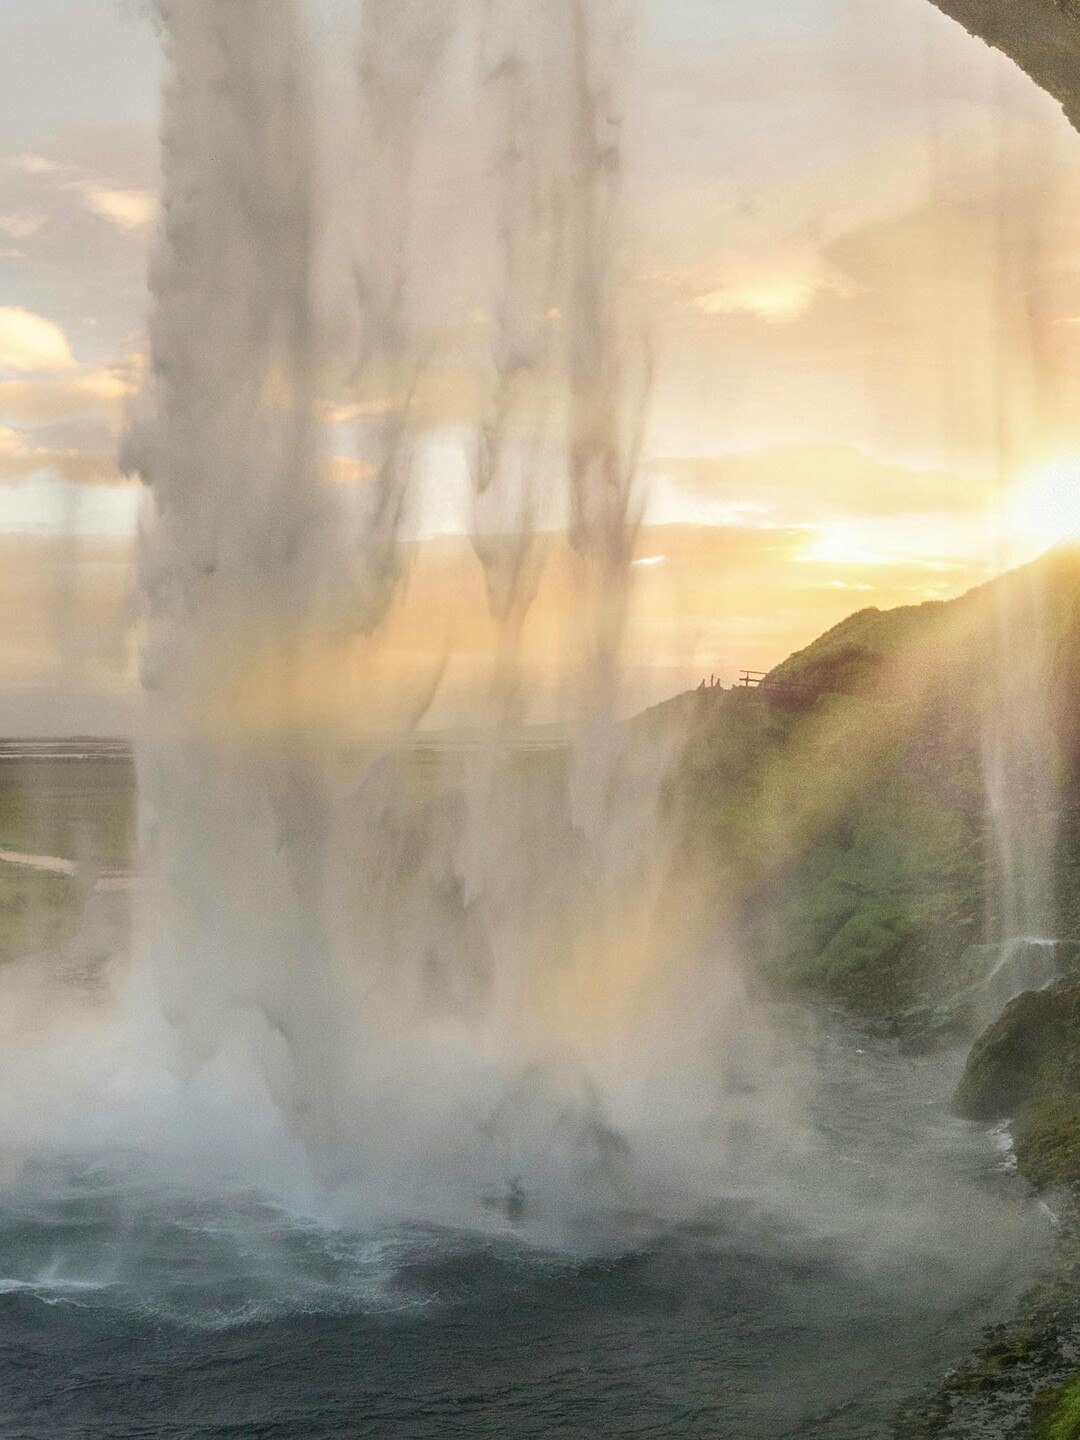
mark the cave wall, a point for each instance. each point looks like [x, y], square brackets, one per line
[1041, 36]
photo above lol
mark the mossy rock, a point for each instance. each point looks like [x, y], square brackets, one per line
[1056, 1416]
[1031, 1052]
[999, 1356]
[868, 957]
[1047, 1140]
[875, 900]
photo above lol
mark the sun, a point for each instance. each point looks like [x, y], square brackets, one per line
[1045, 506]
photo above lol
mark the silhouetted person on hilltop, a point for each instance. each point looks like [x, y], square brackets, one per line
[515, 1200]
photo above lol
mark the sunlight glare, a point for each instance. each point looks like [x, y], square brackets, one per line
[1045, 507]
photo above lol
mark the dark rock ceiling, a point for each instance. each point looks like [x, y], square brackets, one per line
[1041, 36]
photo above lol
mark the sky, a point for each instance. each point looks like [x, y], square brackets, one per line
[853, 239]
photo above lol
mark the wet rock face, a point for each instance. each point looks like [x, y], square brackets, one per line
[1017, 966]
[1041, 36]
[1000, 972]
[1032, 1051]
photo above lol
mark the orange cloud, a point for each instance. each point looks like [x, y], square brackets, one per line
[20, 458]
[805, 484]
[101, 391]
[126, 209]
[29, 343]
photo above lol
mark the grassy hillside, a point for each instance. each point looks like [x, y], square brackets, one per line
[842, 813]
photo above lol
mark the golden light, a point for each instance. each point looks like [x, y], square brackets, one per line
[1044, 509]
[839, 544]
[775, 300]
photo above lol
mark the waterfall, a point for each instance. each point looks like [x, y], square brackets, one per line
[431, 989]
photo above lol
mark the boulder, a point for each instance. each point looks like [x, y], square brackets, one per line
[1030, 1052]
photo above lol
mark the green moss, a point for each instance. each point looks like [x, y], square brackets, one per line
[1027, 1066]
[1047, 1139]
[849, 863]
[1013, 1360]
[856, 912]
[876, 934]
[1031, 1053]
[1056, 1416]
[995, 1360]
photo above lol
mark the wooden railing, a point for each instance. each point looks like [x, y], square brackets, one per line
[759, 680]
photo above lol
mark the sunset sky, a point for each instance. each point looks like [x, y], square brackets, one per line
[855, 237]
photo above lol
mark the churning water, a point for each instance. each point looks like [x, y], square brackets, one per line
[818, 1283]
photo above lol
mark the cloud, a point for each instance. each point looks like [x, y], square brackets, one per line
[86, 259]
[11, 442]
[65, 426]
[774, 299]
[102, 391]
[126, 209]
[21, 456]
[90, 433]
[126, 206]
[795, 485]
[773, 266]
[70, 427]
[956, 311]
[29, 164]
[851, 268]
[21, 224]
[29, 343]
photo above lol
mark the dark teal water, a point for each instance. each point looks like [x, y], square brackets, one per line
[130, 1311]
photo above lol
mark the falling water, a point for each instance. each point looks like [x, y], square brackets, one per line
[426, 992]
[1023, 679]
[351, 978]
[1020, 756]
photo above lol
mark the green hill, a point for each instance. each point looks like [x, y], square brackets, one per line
[861, 815]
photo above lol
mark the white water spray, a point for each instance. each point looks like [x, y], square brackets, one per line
[432, 991]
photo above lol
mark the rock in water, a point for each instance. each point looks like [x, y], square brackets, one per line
[1031, 1049]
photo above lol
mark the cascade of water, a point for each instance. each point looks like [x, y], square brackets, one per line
[225, 442]
[1021, 763]
[424, 988]
[1020, 760]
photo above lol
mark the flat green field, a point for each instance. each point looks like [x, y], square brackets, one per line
[82, 810]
